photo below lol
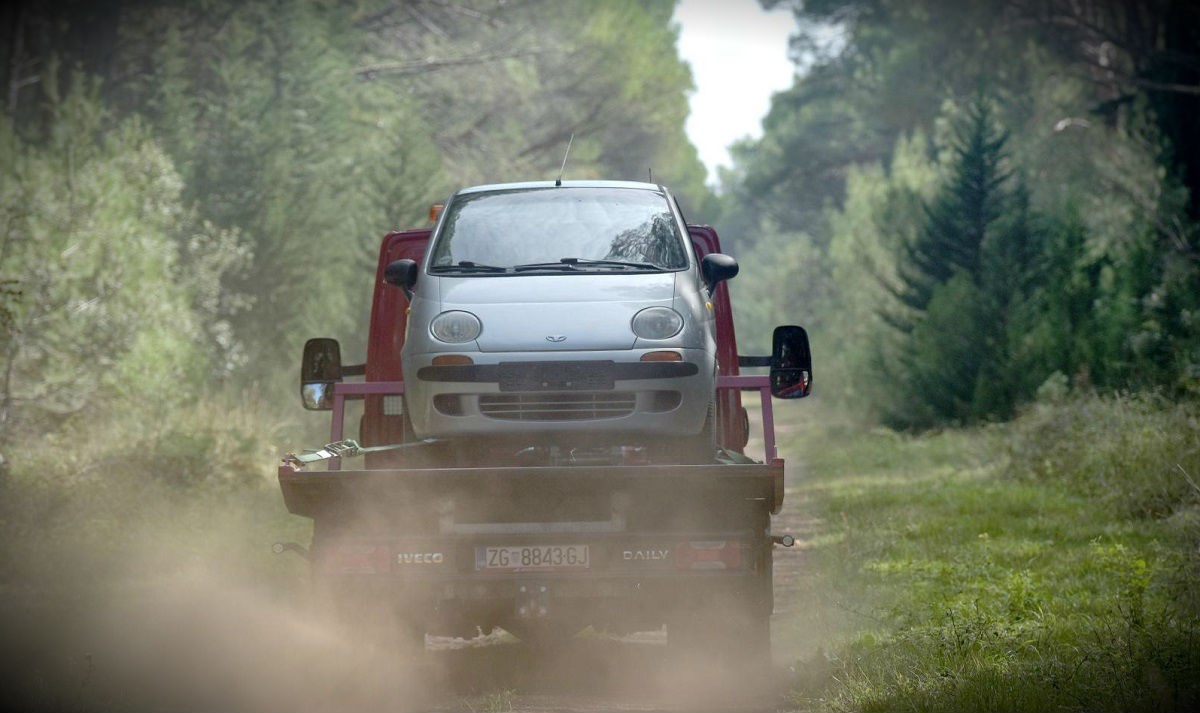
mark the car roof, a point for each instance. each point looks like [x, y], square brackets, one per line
[564, 184]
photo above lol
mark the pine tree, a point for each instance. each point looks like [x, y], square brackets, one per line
[960, 217]
[961, 285]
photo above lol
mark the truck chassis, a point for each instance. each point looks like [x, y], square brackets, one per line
[546, 551]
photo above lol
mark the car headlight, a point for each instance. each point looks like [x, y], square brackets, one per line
[657, 323]
[455, 327]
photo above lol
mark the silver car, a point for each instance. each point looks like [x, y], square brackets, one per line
[572, 313]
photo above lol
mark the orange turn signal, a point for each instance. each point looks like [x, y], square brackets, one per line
[435, 211]
[452, 360]
[662, 356]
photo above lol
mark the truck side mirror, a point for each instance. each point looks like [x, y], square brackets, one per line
[320, 369]
[791, 363]
[715, 268]
[402, 273]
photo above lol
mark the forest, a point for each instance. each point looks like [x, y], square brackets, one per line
[978, 201]
[1020, 175]
[976, 208]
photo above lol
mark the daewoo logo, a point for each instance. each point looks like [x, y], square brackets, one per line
[556, 338]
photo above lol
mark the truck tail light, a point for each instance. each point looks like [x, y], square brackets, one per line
[353, 559]
[709, 554]
[435, 211]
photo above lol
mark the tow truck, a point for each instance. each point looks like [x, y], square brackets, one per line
[558, 518]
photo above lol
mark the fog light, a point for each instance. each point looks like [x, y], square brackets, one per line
[448, 404]
[661, 401]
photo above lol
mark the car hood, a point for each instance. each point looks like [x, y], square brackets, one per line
[561, 312]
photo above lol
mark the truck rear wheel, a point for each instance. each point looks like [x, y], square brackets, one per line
[371, 617]
[720, 637]
[730, 631]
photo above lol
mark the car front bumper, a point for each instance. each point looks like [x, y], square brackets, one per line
[602, 394]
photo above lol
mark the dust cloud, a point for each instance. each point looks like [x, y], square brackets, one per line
[192, 641]
[196, 643]
[128, 599]
[201, 639]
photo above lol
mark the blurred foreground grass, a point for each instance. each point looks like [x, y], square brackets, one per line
[1047, 564]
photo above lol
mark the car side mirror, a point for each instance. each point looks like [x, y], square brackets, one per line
[402, 273]
[791, 363]
[320, 369]
[715, 268]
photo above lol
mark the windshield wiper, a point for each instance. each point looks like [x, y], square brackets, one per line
[467, 266]
[610, 263]
[560, 265]
[575, 263]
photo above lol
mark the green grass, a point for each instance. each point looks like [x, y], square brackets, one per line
[949, 575]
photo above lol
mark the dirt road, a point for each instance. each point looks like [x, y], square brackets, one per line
[588, 675]
[595, 674]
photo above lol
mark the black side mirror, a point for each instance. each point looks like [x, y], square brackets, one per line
[715, 268]
[791, 363]
[402, 273]
[320, 369]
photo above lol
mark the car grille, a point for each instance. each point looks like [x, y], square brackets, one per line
[556, 406]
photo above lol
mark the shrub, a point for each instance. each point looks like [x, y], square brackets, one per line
[1139, 454]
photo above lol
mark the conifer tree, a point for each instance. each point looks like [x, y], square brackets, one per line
[961, 285]
[960, 217]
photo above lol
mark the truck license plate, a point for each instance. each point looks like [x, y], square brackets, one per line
[531, 558]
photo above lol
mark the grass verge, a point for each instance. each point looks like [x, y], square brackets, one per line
[1048, 564]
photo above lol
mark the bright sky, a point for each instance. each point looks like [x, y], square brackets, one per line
[739, 57]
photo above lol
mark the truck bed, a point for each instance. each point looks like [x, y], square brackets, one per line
[313, 493]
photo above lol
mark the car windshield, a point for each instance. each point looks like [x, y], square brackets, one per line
[537, 228]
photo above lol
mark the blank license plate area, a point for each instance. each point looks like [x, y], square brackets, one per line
[556, 376]
[531, 558]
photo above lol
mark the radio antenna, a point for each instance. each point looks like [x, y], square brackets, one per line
[566, 153]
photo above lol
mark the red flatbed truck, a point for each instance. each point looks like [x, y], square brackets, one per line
[421, 540]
